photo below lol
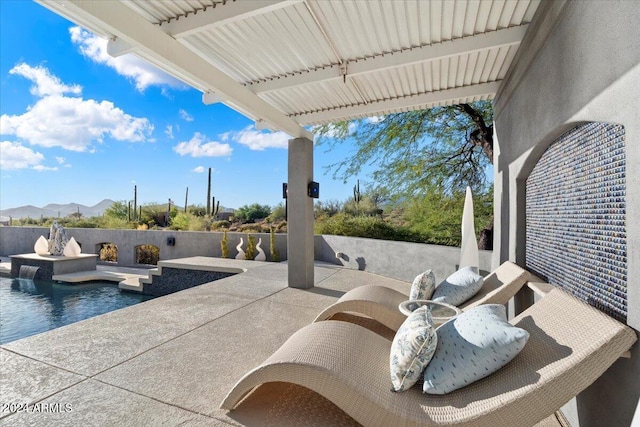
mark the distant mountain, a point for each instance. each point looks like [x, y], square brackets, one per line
[56, 210]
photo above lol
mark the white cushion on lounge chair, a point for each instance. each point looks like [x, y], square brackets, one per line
[458, 287]
[472, 346]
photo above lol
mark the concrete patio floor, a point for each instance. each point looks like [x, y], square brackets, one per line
[168, 361]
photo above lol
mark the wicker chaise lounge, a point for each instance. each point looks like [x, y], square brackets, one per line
[380, 303]
[570, 345]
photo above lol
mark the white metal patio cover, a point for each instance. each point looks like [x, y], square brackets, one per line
[286, 64]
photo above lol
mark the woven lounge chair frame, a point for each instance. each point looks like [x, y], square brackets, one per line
[570, 345]
[380, 303]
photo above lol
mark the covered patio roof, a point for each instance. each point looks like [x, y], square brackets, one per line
[291, 63]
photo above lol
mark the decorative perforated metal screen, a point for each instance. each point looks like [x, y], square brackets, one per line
[575, 211]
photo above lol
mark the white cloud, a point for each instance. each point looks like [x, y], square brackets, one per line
[72, 123]
[14, 155]
[169, 131]
[257, 140]
[44, 82]
[199, 169]
[41, 168]
[199, 146]
[60, 160]
[141, 72]
[185, 116]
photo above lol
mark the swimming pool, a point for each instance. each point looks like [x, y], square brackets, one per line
[30, 307]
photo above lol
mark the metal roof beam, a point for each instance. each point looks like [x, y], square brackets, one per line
[119, 47]
[498, 38]
[406, 102]
[221, 14]
[170, 55]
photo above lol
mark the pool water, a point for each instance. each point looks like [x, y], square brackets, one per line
[29, 307]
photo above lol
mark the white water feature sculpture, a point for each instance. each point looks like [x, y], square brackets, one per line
[241, 254]
[72, 249]
[41, 246]
[261, 255]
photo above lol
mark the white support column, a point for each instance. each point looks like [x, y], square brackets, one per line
[300, 214]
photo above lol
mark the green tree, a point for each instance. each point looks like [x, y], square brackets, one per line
[436, 216]
[252, 212]
[443, 147]
[278, 213]
[117, 210]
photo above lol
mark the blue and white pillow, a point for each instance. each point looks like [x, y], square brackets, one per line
[423, 286]
[472, 346]
[459, 287]
[412, 349]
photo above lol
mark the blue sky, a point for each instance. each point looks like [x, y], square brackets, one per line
[79, 126]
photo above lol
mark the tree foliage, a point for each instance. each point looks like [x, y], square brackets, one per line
[443, 147]
[252, 212]
[117, 210]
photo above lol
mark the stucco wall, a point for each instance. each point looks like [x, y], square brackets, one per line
[17, 240]
[400, 260]
[579, 62]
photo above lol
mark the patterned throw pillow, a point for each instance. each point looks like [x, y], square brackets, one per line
[423, 286]
[412, 348]
[459, 287]
[472, 346]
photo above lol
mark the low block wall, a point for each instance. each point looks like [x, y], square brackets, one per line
[399, 260]
[19, 240]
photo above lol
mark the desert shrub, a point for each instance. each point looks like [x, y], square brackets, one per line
[180, 221]
[437, 217]
[278, 213]
[109, 252]
[82, 223]
[327, 208]
[251, 247]
[275, 255]
[197, 210]
[216, 225]
[224, 245]
[147, 254]
[372, 227]
[253, 228]
[366, 206]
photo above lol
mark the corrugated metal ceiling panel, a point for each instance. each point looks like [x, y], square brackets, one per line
[290, 42]
[158, 11]
[269, 45]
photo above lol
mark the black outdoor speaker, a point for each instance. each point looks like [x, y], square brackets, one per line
[313, 189]
[171, 241]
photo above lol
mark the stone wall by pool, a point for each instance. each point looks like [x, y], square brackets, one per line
[576, 219]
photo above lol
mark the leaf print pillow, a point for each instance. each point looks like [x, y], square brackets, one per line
[412, 349]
